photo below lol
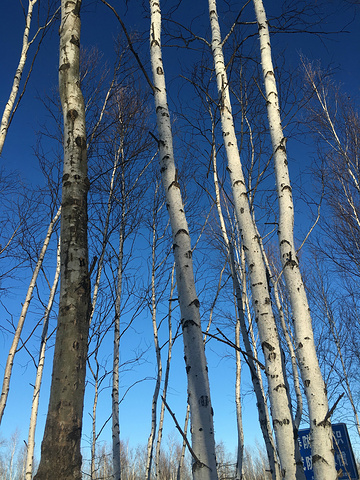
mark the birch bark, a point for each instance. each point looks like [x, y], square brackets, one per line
[155, 398]
[60, 449]
[198, 384]
[19, 327]
[116, 355]
[315, 390]
[240, 293]
[240, 447]
[166, 380]
[19, 71]
[281, 414]
[39, 373]
[95, 374]
[10, 106]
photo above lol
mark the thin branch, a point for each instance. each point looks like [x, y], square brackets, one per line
[234, 24]
[130, 44]
[197, 461]
[331, 411]
[227, 341]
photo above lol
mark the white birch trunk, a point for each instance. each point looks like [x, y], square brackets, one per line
[166, 379]
[13, 348]
[116, 357]
[150, 445]
[16, 82]
[115, 408]
[315, 390]
[239, 317]
[39, 373]
[93, 426]
[202, 429]
[264, 417]
[257, 380]
[281, 414]
[240, 446]
[294, 366]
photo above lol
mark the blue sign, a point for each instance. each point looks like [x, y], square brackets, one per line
[344, 457]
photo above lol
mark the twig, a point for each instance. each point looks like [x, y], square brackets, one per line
[197, 461]
[227, 341]
[331, 411]
[130, 44]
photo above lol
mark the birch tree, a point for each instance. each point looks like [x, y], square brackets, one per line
[204, 467]
[60, 449]
[336, 335]
[29, 467]
[24, 310]
[153, 309]
[237, 269]
[320, 427]
[334, 121]
[10, 106]
[166, 379]
[280, 409]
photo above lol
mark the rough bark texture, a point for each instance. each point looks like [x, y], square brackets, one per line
[60, 450]
[202, 430]
[321, 432]
[280, 410]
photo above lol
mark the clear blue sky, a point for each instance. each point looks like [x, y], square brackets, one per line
[339, 50]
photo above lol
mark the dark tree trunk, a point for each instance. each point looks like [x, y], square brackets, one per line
[60, 450]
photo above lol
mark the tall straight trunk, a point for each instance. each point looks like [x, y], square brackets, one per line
[203, 443]
[39, 373]
[19, 327]
[116, 445]
[166, 380]
[240, 446]
[264, 417]
[315, 390]
[280, 409]
[150, 445]
[60, 449]
[94, 436]
[294, 365]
